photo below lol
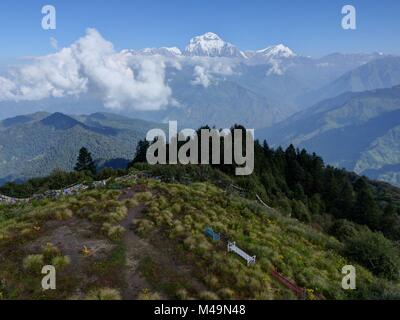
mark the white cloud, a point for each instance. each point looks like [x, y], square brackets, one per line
[201, 77]
[54, 43]
[275, 68]
[122, 79]
[207, 69]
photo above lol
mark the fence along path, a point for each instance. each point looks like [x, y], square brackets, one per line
[300, 292]
[233, 248]
[69, 190]
[246, 191]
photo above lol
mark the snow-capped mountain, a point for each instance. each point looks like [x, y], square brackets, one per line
[278, 51]
[211, 45]
[278, 57]
[164, 51]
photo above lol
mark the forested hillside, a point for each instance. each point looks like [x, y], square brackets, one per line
[35, 145]
[143, 237]
[356, 131]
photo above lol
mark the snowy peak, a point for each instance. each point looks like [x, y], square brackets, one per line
[211, 45]
[278, 51]
[164, 51]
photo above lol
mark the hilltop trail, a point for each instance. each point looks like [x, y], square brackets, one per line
[135, 247]
[160, 254]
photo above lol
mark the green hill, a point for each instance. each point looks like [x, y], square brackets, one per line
[144, 234]
[35, 145]
[143, 238]
[357, 131]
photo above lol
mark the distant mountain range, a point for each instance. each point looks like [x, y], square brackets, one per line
[343, 106]
[377, 74]
[212, 81]
[358, 131]
[34, 145]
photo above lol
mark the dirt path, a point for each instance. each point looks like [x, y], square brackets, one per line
[138, 248]
[135, 246]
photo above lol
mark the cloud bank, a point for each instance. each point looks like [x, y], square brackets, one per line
[206, 70]
[124, 81]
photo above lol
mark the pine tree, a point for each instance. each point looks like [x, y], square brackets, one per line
[141, 151]
[85, 161]
[366, 210]
[390, 221]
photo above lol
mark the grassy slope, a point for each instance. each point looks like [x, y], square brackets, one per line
[172, 223]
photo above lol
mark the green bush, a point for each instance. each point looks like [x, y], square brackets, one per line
[50, 251]
[343, 230]
[116, 232]
[374, 251]
[61, 262]
[103, 294]
[34, 263]
[208, 295]
[146, 294]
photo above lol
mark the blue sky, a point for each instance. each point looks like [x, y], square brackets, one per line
[310, 27]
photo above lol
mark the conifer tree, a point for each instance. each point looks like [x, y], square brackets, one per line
[85, 162]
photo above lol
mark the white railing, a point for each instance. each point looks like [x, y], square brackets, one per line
[250, 259]
[262, 202]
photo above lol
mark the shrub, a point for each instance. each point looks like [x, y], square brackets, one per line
[63, 214]
[146, 294]
[33, 263]
[104, 294]
[375, 252]
[143, 196]
[208, 295]
[300, 211]
[143, 226]
[182, 294]
[117, 215]
[115, 232]
[226, 293]
[343, 230]
[50, 251]
[61, 262]
[131, 203]
[27, 232]
[211, 281]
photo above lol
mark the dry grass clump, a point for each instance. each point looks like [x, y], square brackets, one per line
[146, 294]
[178, 230]
[117, 215]
[23, 230]
[143, 226]
[50, 251]
[103, 294]
[107, 211]
[226, 293]
[212, 281]
[50, 255]
[208, 295]
[63, 214]
[131, 203]
[33, 263]
[176, 208]
[4, 236]
[61, 262]
[115, 233]
[182, 294]
[143, 196]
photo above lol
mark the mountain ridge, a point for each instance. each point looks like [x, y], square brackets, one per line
[37, 147]
[345, 130]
